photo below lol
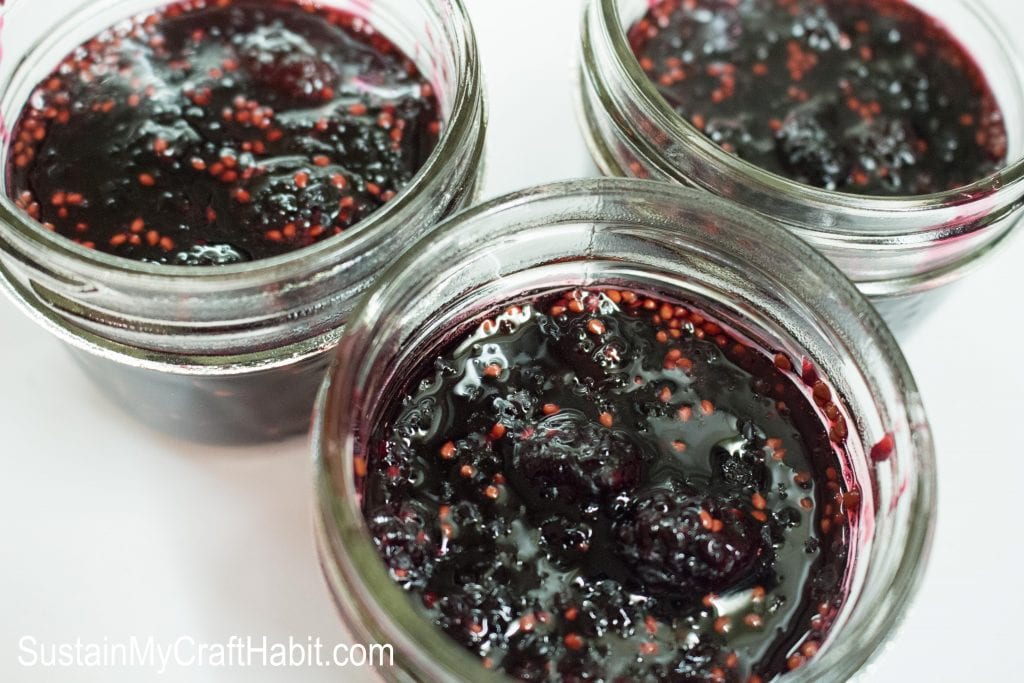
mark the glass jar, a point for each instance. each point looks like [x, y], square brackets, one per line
[900, 251]
[656, 237]
[232, 353]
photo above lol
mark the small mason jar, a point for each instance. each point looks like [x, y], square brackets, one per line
[741, 268]
[232, 353]
[900, 251]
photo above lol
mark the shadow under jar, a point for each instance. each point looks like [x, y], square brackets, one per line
[751, 276]
[230, 353]
[901, 251]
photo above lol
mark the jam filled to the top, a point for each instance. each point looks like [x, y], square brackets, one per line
[609, 486]
[870, 97]
[214, 132]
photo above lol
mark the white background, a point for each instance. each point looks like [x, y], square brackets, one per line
[108, 529]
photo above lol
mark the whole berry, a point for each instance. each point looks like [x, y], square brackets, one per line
[682, 544]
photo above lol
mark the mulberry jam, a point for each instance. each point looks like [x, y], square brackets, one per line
[871, 97]
[609, 485]
[215, 132]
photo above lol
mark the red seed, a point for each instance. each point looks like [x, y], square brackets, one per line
[706, 520]
[359, 465]
[883, 450]
[147, 180]
[839, 430]
[448, 451]
[822, 394]
[808, 373]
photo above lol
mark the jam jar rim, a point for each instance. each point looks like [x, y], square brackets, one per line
[362, 237]
[1003, 181]
[348, 558]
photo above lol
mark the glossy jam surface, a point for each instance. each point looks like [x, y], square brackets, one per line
[869, 97]
[608, 486]
[210, 133]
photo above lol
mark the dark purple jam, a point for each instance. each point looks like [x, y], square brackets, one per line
[218, 131]
[870, 97]
[607, 486]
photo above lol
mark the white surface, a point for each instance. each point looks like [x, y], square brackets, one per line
[108, 529]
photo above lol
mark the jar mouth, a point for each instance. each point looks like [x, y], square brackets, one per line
[342, 428]
[361, 237]
[1006, 181]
